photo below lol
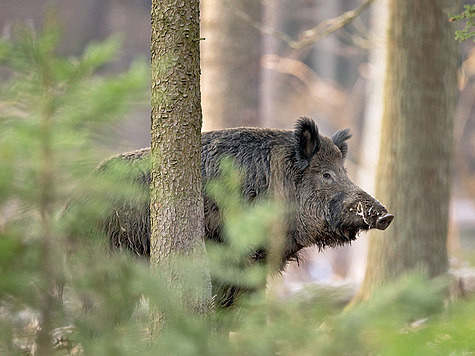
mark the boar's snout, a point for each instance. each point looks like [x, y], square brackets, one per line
[384, 221]
[372, 213]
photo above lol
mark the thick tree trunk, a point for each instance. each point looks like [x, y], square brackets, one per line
[230, 58]
[413, 178]
[176, 201]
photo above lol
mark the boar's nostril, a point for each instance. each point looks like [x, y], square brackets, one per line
[383, 221]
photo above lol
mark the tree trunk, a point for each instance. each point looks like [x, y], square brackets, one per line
[230, 58]
[413, 177]
[371, 133]
[176, 206]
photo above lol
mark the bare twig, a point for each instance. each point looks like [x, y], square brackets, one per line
[261, 27]
[329, 26]
[311, 36]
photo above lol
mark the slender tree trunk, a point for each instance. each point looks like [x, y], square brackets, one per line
[230, 58]
[413, 178]
[371, 135]
[176, 206]
[271, 83]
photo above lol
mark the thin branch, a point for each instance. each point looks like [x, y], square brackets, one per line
[261, 27]
[329, 26]
[311, 36]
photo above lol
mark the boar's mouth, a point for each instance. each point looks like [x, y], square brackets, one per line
[340, 233]
[338, 236]
[341, 226]
[350, 233]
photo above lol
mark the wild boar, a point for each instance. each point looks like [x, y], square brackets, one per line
[301, 168]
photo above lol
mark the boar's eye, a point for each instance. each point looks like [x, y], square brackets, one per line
[327, 177]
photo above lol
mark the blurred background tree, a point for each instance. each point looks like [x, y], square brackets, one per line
[230, 52]
[414, 171]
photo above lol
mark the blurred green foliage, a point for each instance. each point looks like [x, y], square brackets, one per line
[249, 228]
[467, 16]
[104, 309]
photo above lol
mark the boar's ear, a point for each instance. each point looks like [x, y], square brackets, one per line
[308, 140]
[339, 139]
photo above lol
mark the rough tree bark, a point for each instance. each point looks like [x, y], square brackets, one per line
[413, 177]
[230, 57]
[176, 201]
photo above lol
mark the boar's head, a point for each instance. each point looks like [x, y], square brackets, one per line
[331, 210]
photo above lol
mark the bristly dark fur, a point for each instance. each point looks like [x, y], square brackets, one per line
[339, 139]
[300, 168]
